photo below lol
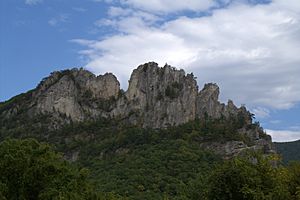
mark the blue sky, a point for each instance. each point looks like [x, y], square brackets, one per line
[249, 47]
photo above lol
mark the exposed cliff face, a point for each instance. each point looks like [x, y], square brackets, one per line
[231, 149]
[77, 94]
[161, 97]
[61, 96]
[156, 97]
[208, 105]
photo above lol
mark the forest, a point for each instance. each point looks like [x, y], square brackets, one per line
[105, 160]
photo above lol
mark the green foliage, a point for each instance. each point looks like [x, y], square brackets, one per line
[250, 177]
[290, 151]
[23, 126]
[20, 99]
[177, 85]
[103, 104]
[173, 90]
[106, 104]
[137, 163]
[147, 171]
[293, 179]
[31, 170]
[134, 162]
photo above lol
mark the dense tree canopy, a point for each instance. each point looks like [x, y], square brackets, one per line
[288, 150]
[135, 163]
[32, 170]
[251, 177]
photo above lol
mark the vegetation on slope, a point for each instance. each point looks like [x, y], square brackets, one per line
[31, 170]
[290, 151]
[137, 163]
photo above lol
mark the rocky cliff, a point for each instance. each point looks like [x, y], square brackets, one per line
[77, 94]
[157, 97]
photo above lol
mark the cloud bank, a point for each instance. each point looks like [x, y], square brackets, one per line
[250, 50]
[167, 6]
[283, 135]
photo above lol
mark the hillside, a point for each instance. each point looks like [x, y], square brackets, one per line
[290, 151]
[143, 163]
[154, 141]
[157, 97]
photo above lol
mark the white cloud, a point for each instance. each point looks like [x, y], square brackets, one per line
[118, 11]
[261, 112]
[169, 6]
[125, 19]
[52, 22]
[33, 2]
[250, 51]
[62, 18]
[121, 52]
[283, 135]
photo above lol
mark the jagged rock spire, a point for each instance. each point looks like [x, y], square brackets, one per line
[156, 97]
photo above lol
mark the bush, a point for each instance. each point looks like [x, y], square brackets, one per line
[32, 170]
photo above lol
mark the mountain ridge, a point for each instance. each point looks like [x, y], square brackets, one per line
[172, 95]
[288, 150]
[157, 97]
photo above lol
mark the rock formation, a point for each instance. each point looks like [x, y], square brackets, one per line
[77, 94]
[157, 97]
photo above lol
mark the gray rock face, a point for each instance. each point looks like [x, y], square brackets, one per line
[61, 97]
[75, 93]
[227, 150]
[157, 97]
[161, 97]
[208, 103]
[230, 149]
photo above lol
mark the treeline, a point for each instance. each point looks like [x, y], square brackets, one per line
[289, 150]
[32, 170]
[251, 177]
[111, 160]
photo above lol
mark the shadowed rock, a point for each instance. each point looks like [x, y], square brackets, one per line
[157, 97]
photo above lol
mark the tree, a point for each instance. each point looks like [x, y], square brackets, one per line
[32, 170]
[294, 179]
[252, 177]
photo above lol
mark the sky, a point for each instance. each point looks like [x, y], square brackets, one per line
[250, 48]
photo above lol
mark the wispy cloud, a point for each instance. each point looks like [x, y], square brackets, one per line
[62, 18]
[251, 51]
[33, 2]
[169, 6]
[261, 112]
[295, 128]
[283, 135]
[276, 121]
